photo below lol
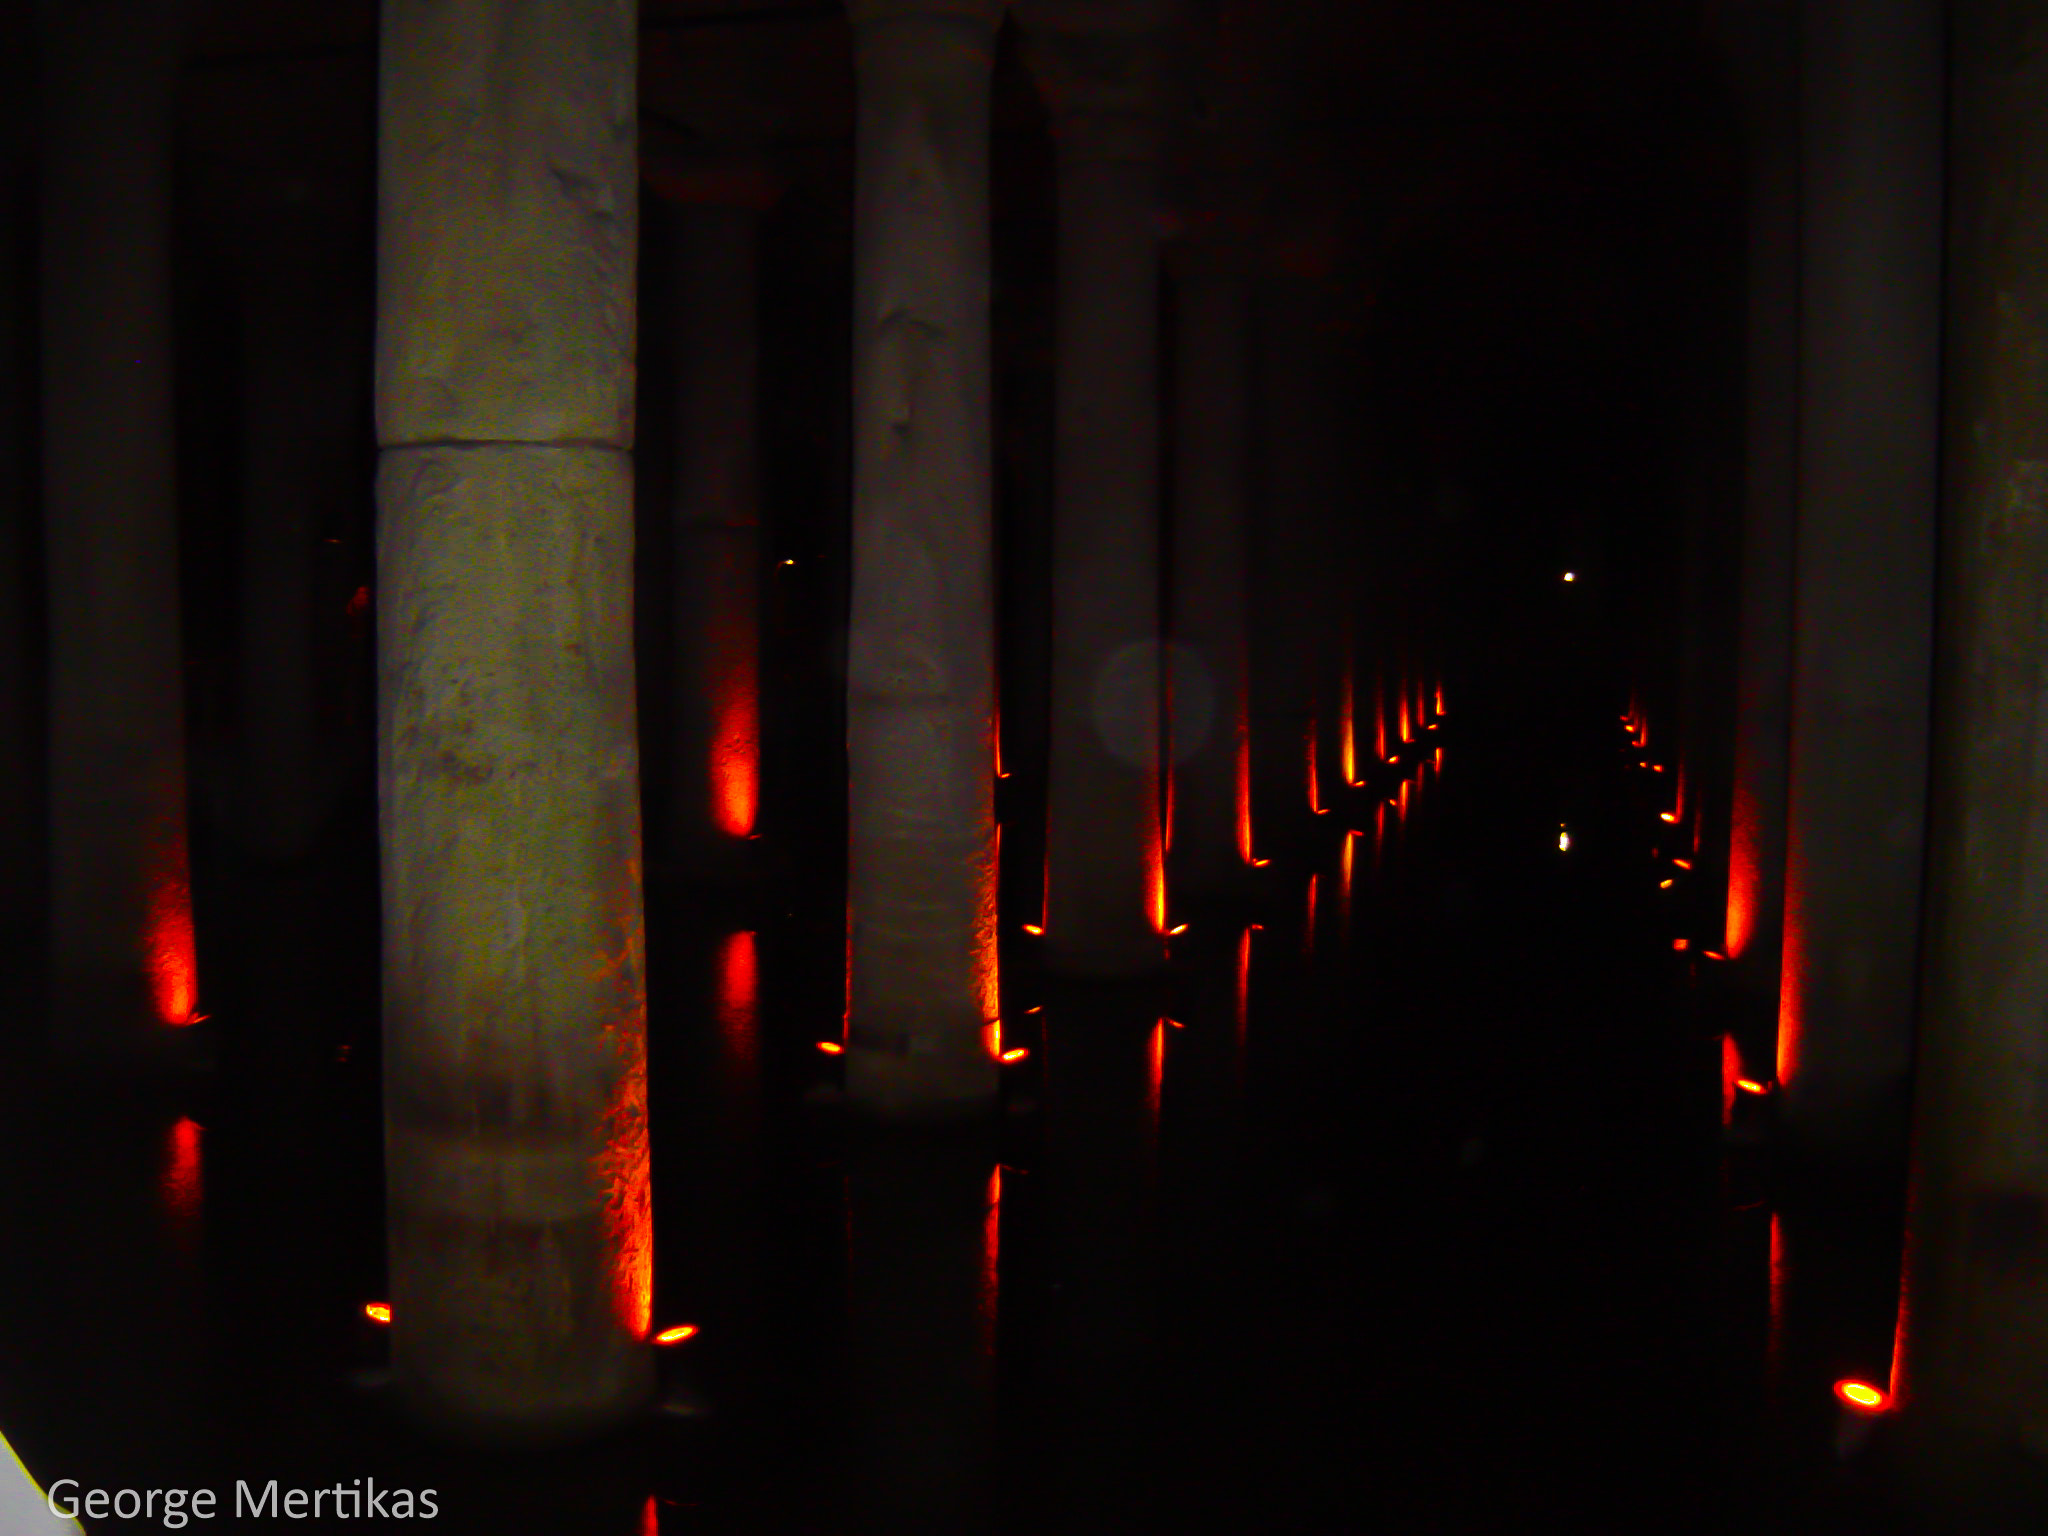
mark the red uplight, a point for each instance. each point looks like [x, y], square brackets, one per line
[1174, 933]
[1752, 1085]
[1670, 816]
[1682, 863]
[1035, 930]
[1260, 863]
[677, 1334]
[1711, 954]
[1681, 943]
[378, 1312]
[831, 1047]
[1664, 885]
[1015, 1053]
[1862, 1396]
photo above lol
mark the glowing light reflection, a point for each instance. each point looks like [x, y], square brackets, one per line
[1862, 1396]
[737, 1003]
[677, 1334]
[378, 1312]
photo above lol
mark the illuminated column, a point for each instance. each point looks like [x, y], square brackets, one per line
[514, 1019]
[921, 876]
[1209, 726]
[1974, 1379]
[1105, 874]
[715, 767]
[1862, 591]
[1761, 40]
[120, 909]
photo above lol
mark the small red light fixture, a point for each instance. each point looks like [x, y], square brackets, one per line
[1862, 1396]
[1176, 932]
[1014, 1053]
[677, 1334]
[1712, 954]
[1752, 1085]
[1036, 1008]
[1681, 943]
[1664, 885]
[1176, 1023]
[378, 1312]
[1669, 816]
[831, 1047]
[1260, 863]
[1034, 930]
[1681, 863]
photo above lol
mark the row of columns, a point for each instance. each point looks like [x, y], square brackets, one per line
[1887, 855]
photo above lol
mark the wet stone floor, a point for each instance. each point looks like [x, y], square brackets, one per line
[1406, 1209]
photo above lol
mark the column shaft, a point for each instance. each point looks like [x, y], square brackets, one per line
[514, 1005]
[1210, 729]
[1862, 600]
[1974, 1377]
[1106, 884]
[120, 906]
[921, 875]
[716, 769]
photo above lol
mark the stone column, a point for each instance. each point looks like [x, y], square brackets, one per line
[120, 907]
[1871, 123]
[715, 764]
[514, 1006]
[1209, 695]
[1760, 39]
[921, 875]
[299, 414]
[1105, 865]
[1973, 1384]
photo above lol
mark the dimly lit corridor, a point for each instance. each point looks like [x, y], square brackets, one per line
[1024, 766]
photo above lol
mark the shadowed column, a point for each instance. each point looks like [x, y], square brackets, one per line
[120, 905]
[1974, 1379]
[514, 1006]
[921, 877]
[1105, 860]
[1208, 697]
[1871, 123]
[715, 770]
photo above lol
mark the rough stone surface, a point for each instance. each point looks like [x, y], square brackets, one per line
[513, 989]
[1976, 1345]
[507, 222]
[921, 648]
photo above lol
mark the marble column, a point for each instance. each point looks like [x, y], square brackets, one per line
[1973, 1381]
[715, 752]
[1105, 858]
[514, 1004]
[1760, 41]
[1871, 188]
[1209, 697]
[921, 876]
[120, 907]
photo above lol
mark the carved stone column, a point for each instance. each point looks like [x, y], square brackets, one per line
[514, 1005]
[921, 877]
[120, 905]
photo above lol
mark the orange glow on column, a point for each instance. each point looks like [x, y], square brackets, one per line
[1315, 798]
[1155, 1072]
[1439, 700]
[1244, 981]
[1744, 866]
[1155, 881]
[168, 956]
[738, 998]
[650, 1518]
[1244, 784]
[623, 1173]
[1379, 714]
[1347, 740]
[1731, 1073]
[1308, 927]
[1774, 1344]
[1344, 889]
[735, 742]
[1405, 733]
[991, 1255]
[1791, 979]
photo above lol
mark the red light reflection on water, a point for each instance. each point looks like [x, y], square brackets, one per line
[738, 999]
[181, 1188]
